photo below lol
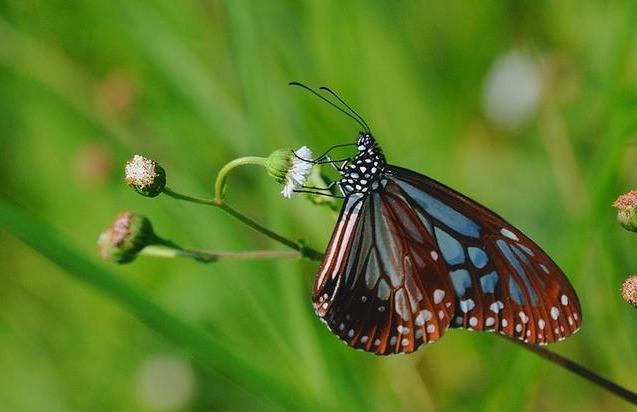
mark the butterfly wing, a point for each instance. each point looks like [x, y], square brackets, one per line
[381, 287]
[503, 281]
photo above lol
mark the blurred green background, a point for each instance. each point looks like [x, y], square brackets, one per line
[528, 107]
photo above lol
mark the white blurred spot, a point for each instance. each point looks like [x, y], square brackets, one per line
[512, 90]
[165, 382]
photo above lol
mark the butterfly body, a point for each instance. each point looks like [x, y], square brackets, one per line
[363, 173]
[410, 257]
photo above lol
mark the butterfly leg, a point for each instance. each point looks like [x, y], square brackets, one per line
[328, 187]
[319, 193]
[321, 158]
[327, 152]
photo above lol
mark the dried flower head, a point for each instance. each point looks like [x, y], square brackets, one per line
[123, 240]
[626, 205]
[146, 176]
[629, 290]
[290, 168]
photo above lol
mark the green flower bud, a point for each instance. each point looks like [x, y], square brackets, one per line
[629, 290]
[145, 176]
[278, 164]
[128, 235]
[289, 169]
[626, 205]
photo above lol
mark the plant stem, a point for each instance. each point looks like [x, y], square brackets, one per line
[580, 370]
[313, 254]
[220, 182]
[212, 256]
[299, 246]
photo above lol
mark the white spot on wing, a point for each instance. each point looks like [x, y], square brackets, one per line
[523, 317]
[422, 317]
[496, 306]
[555, 312]
[466, 305]
[506, 232]
[439, 294]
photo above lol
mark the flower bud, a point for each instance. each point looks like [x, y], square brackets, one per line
[145, 176]
[129, 234]
[278, 164]
[626, 205]
[629, 290]
[290, 169]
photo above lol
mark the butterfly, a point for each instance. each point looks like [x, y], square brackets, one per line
[410, 257]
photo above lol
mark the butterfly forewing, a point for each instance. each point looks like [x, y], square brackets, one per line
[410, 257]
[502, 280]
[381, 286]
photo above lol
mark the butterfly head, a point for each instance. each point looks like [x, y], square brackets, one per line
[362, 174]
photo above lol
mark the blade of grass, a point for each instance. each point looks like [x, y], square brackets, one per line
[198, 343]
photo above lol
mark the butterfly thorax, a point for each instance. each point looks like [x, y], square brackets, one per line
[363, 172]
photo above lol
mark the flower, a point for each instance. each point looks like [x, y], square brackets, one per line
[126, 237]
[629, 290]
[626, 205]
[290, 168]
[145, 176]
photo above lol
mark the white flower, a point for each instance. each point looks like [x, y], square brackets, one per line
[298, 172]
[140, 172]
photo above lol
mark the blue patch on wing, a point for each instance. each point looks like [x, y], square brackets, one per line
[444, 213]
[526, 249]
[461, 281]
[488, 282]
[518, 268]
[515, 291]
[478, 257]
[524, 259]
[451, 249]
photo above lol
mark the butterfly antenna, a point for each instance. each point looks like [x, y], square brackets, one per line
[314, 92]
[333, 93]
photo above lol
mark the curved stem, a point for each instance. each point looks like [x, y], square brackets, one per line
[212, 256]
[221, 176]
[175, 195]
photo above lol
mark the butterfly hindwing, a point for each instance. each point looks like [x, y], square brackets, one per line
[381, 286]
[503, 281]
